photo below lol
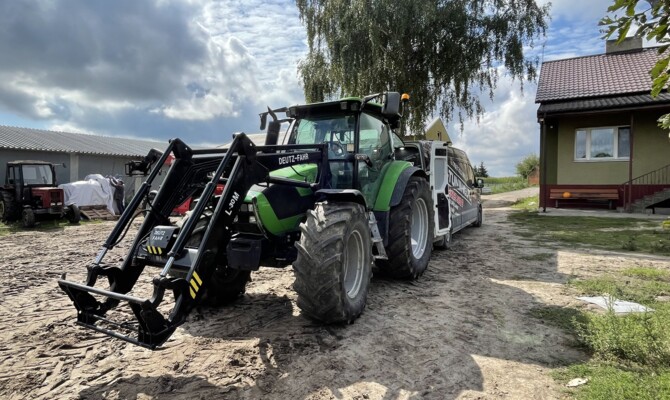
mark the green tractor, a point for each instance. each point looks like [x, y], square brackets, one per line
[342, 194]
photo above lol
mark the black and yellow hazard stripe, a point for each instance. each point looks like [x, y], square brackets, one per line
[155, 250]
[196, 283]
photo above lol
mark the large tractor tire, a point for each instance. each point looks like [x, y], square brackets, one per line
[334, 264]
[9, 210]
[411, 229]
[225, 285]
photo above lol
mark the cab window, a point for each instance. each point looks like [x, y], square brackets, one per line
[375, 139]
[336, 131]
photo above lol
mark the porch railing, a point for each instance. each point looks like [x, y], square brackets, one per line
[644, 185]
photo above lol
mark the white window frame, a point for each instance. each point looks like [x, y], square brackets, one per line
[615, 149]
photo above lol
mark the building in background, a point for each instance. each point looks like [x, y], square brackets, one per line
[600, 141]
[80, 154]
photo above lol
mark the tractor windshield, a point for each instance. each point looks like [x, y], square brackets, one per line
[336, 131]
[37, 175]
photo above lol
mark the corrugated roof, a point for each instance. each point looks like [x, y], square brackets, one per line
[43, 140]
[612, 103]
[596, 76]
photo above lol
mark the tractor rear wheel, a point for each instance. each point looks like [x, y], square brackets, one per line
[410, 232]
[8, 207]
[28, 217]
[334, 263]
[226, 284]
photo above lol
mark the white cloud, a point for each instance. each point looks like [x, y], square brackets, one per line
[506, 133]
[578, 11]
[188, 60]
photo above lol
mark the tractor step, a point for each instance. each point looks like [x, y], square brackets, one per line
[150, 330]
[377, 237]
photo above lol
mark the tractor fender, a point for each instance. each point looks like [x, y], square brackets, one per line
[401, 183]
[349, 195]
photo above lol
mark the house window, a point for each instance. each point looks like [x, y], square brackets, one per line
[602, 144]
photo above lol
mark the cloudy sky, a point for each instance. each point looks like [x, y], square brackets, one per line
[201, 70]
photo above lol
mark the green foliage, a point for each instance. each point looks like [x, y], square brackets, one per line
[631, 353]
[526, 166]
[651, 19]
[612, 381]
[443, 53]
[505, 184]
[527, 204]
[481, 171]
[639, 338]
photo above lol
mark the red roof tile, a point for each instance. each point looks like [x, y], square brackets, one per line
[596, 76]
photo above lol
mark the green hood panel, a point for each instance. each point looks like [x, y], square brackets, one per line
[293, 201]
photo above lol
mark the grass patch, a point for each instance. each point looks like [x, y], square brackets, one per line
[631, 352]
[537, 257]
[628, 234]
[607, 381]
[45, 225]
[527, 204]
[563, 317]
[505, 184]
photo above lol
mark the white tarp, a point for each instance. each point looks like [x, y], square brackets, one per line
[619, 306]
[94, 190]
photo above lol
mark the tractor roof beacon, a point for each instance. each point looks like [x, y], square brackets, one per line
[341, 194]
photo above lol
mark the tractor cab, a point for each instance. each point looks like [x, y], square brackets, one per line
[358, 135]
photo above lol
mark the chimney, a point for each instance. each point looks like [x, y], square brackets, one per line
[628, 44]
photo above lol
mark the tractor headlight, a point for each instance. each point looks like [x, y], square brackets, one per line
[256, 218]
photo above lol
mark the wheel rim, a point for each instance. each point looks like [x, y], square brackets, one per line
[419, 230]
[353, 265]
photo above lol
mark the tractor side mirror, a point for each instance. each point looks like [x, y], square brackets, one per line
[391, 106]
[480, 183]
[272, 135]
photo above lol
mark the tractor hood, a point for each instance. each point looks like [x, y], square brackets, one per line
[281, 208]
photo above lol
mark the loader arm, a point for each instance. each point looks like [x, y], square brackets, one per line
[239, 168]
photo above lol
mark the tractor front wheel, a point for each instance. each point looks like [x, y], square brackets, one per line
[8, 207]
[28, 218]
[334, 263]
[410, 232]
[73, 214]
[226, 284]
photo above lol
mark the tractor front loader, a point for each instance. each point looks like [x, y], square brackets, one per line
[185, 271]
[342, 193]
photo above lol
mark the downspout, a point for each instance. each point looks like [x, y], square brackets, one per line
[628, 199]
[543, 160]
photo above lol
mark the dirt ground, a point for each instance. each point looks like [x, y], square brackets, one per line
[461, 331]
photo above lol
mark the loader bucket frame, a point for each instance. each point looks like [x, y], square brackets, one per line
[238, 168]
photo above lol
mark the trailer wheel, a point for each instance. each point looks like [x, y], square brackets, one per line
[226, 284]
[480, 218]
[73, 214]
[28, 218]
[334, 263]
[410, 232]
[8, 207]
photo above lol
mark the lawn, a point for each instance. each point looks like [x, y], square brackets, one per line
[630, 354]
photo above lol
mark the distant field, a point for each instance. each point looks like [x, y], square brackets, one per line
[504, 184]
